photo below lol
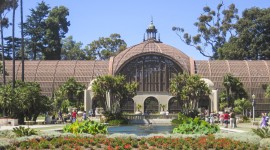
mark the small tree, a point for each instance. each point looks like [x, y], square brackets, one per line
[117, 88]
[69, 94]
[25, 100]
[139, 107]
[234, 89]
[241, 105]
[189, 89]
[163, 106]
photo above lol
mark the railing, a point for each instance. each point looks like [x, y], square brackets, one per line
[152, 116]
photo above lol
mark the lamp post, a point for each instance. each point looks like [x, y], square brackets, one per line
[253, 105]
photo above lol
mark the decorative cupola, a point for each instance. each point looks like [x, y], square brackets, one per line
[151, 32]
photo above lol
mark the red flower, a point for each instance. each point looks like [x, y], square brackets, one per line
[127, 146]
[109, 148]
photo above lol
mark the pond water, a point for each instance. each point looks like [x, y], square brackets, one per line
[141, 130]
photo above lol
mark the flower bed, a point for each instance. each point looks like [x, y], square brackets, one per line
[114, 143]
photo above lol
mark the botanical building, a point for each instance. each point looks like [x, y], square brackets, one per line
[152, 64]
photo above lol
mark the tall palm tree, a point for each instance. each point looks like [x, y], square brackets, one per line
[2, 47]
[13, 43]
[22, 38]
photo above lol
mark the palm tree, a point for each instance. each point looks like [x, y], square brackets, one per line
[14, 5]
[4, 5]
[22, 38]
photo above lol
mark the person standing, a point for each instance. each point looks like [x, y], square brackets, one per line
[226, 119]
[74, 115]
[84, 115]
[90, 113]
[232, 120]
[212, 119]
[221, 118]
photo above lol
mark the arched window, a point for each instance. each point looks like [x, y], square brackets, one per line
[175, 105]
[128, 106]
[152, 72]
[151, 105]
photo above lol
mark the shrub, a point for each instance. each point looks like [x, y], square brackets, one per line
[22, 131]
[115, 122]
[246, 119]
[115, 116]
[196, 126]
[90, 127]
[262, 132]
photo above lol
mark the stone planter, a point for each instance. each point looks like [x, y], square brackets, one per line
[162, 113]
[138, 113]
[99, 111]
[80, 113]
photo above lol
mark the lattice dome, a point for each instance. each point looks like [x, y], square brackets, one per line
[151, 47]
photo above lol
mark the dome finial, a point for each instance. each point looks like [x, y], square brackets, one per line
[152, 20]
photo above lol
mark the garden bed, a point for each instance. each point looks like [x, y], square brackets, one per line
[56, 140]
[155, 142]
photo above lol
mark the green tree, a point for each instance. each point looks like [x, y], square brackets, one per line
[105, 47]
[234, 89]
[241, 105]
[189, 89]
[214, 28]
[25, 100]
[8, 47]
[35, 29]
[267, 91]
[57, 26]
[69, 94]
[118, 89]
[29, 101]
[71, 50]
[252, 41]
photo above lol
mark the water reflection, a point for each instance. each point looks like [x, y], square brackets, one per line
[141, 130]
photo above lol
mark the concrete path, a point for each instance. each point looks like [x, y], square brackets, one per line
[40, 127]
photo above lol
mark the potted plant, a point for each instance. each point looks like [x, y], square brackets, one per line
[163, 108]
[138, 112]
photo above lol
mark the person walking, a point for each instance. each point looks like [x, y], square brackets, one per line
[263, 121]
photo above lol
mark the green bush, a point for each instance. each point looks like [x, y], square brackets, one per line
[115, 122]
[90, 127]
[262, 132]
[115, 116]
[22, 131]
[195, 126]
[246, 119]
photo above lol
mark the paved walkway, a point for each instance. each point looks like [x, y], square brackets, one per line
[40, 127]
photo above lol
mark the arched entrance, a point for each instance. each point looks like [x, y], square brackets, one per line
[175, 105]
[128, 106]
[151, 105]
[205, 103]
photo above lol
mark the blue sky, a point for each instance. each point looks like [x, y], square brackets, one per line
[91, 19]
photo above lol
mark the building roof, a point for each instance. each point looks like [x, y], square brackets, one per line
[150, 47]
[253, 74]
[52, 73]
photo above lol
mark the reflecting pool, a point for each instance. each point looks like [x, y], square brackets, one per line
[141, 130]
